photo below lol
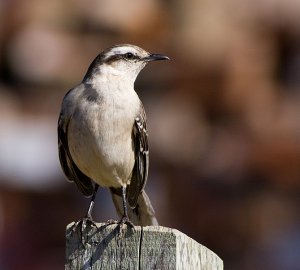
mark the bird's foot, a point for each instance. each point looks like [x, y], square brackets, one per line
[84, 226]
[125, 220]
[123, 224]
[88, 222]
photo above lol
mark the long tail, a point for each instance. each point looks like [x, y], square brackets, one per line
[142, 215]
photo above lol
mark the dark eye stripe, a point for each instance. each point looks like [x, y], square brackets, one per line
[117, 57]
[113, 58]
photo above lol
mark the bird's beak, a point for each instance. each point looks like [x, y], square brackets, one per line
[155, 57]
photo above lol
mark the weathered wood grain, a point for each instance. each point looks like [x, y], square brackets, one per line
[153, 247]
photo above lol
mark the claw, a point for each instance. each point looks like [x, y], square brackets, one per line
[125, 220]
[123, 223]
[83, 226]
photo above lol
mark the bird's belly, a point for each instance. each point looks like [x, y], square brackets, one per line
[103, 149]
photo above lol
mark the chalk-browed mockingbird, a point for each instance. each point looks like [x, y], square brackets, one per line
[102, 133]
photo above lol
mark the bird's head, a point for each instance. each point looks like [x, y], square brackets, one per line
[125, 61]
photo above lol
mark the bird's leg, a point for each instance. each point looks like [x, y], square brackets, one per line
[88, 217]
[125, 219]
[91, 206]
[121, 209]
[124, 202]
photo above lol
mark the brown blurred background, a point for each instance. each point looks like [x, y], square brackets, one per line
[224, 122]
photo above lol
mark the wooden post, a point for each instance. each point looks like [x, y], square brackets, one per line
[153, 247]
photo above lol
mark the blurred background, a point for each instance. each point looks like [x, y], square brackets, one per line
[223, 120]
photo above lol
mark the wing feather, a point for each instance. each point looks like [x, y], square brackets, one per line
[70, 169]
[141, 166]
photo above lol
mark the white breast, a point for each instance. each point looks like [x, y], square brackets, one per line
[100, 139]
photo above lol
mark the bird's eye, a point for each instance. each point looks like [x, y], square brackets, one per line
[129, 55]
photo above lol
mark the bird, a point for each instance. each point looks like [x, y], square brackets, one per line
[103, 136]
